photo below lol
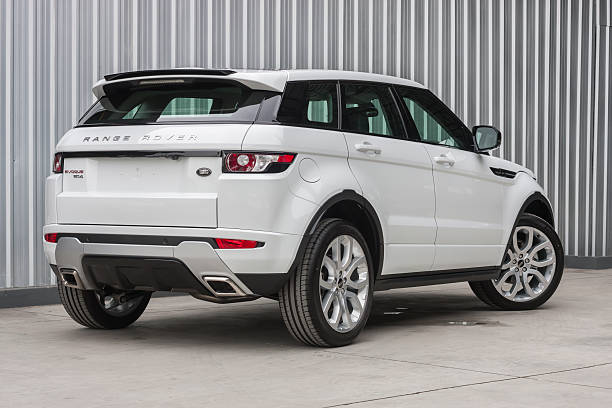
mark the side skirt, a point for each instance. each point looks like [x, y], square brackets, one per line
[408, 280]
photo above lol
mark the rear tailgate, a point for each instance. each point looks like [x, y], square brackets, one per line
[146, 175]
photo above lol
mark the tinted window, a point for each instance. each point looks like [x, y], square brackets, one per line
[137, 102]
[370, 109]
[188, 106]
[309, 104]
[434, 121]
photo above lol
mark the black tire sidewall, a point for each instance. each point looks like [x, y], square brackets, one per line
[329, 335]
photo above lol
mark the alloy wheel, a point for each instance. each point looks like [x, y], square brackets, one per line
[528, 266]
[343, 283]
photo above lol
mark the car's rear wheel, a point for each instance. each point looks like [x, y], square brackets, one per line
[328, 300]
[108, 310]
[531, 269]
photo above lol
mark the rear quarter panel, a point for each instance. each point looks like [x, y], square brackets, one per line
[286, 202]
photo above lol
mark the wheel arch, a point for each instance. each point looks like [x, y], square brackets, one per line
[537, 204]
[353, 207]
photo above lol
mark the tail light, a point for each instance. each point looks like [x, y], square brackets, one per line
[244, 162]
[58, 163]
[224, 243]
[51, 237]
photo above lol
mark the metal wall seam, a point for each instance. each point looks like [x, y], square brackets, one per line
[536, 89]
[589, 170]
[8, 49]
[512, 126]
[595, 134]
[52, 84]
[577, 129]
[546, 90]
[502, 76]
[478, 77]
[30, 129]
[412, 37]
[524, 132]
[557, 105]
[607, 118]
[568, 56]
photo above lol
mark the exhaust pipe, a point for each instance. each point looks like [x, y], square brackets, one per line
[221, 286]
[70, 278]
[222, 290]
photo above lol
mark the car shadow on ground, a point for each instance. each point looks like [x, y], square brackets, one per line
[260, 324]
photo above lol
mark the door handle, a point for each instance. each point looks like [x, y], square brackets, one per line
[445, 159]
[367, 147]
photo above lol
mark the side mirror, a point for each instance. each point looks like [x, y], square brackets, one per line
[486, 138]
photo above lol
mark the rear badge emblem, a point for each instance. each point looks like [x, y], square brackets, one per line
[203, 172]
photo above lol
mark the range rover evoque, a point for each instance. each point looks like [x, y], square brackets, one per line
[314, 188]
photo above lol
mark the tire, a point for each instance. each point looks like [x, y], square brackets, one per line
[315, 283]
[518, 287]
[85, 308]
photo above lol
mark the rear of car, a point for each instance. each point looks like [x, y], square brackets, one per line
[153, 191]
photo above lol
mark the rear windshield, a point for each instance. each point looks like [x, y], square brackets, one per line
[174, 100]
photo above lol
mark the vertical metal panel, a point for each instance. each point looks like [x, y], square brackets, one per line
[5, 144]
[538, 70]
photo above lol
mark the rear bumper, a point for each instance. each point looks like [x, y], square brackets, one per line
[154, 258]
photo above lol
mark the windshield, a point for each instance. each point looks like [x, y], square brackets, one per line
[174, 100]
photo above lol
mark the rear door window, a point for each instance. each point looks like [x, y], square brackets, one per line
[370, 109]
[140, 102]
[309, 103]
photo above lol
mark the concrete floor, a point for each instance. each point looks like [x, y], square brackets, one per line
[425, 347]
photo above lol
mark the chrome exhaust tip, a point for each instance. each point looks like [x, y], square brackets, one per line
[222, 287]
[70, 278]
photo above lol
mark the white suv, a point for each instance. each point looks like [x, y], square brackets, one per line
[315, 188]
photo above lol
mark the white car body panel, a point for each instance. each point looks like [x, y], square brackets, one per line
[468, 202]
[405, 205]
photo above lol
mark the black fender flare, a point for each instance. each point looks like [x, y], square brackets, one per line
[373, 220]
[540, 198]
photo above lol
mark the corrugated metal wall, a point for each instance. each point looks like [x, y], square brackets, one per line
[539, 70]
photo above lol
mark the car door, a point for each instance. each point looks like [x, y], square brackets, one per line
[468, 195]
[395, 175]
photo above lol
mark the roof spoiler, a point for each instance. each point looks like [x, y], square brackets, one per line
[160, 72]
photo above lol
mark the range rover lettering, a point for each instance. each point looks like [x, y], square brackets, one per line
[313, 188]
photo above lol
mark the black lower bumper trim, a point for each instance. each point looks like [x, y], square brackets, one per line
[264, 284]
[135, 273]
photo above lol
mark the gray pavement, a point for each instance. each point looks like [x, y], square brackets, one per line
[423, 347]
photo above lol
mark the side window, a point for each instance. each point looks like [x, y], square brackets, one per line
[368, 108]
[434, 121]
[309, 103]
[131, 114]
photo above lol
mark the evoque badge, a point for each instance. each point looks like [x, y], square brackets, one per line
[203, 172]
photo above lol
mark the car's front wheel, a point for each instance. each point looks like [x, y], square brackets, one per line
[327, 301]
[531, 269]
[99, 310]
